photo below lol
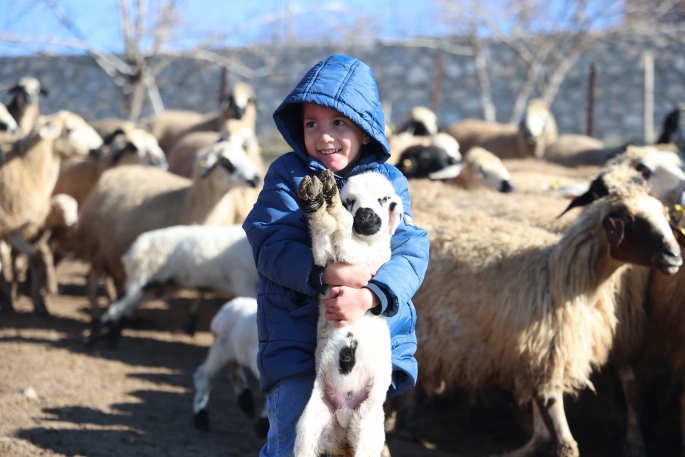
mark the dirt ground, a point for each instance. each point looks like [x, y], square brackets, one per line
[59, 398]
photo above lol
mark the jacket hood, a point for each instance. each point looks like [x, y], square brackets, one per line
[344, 84]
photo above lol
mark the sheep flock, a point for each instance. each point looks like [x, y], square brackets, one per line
[554, 259]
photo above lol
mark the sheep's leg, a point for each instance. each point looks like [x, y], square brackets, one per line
[47, 263]
[17, 242]
[111, 323]
[5, 297]
[552, 411]
[92, 293]
[634, 445]
[368, 426]
[191, 321]
[236, 374]
[541, 437]
[219, 355]
[315, 418]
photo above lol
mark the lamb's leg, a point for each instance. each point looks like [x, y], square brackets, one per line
[191, 321]
[236, 374]
[541, 437]
[92, 293]
[368, 426]
[219, 355]
[17, 242]
[314, 419]
[110, 324]
[634, 445]
[47, 263]
[5, 297]
[261, 427]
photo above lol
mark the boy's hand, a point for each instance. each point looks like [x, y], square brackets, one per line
[343, 274]
[346, 305]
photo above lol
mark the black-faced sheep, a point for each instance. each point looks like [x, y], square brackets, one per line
[132, 199]
[24, 105]
[528, 139]
[161, 262]
[421, 122]
[531, 311]
[344, 415]
[235, 345]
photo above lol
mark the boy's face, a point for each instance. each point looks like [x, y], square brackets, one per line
[331, 138]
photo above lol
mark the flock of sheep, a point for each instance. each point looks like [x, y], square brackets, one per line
[515, 295]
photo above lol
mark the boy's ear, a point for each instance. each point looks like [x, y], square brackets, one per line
[366, 139]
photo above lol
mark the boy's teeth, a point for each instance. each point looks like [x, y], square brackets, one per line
[329, 151]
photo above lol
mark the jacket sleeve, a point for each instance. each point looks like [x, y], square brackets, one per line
[278, 233]
[400, 277]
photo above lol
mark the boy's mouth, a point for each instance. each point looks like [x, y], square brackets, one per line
[329, 151]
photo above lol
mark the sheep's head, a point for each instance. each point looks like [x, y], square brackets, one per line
[227, 164]
[63, 212]
[421, 122]
[638, 232]
[7, 122]
[376, 208]
[26, 91]
[663, 170]
[236, 102]
[538, 122]
[77, 137]
[420, 161]
[480, 168]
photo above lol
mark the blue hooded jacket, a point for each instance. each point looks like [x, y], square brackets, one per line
[289, 282]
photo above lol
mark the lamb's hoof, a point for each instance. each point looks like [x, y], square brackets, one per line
[261, 427]
[246, 403]
[191, 324]
[330, 190]
[108, 331]
[310, 195]
[201, 420]
[634, 450]
[568, 449]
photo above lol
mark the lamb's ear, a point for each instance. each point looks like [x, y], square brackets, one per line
[614, 228]
[449, 172]
[396, 211]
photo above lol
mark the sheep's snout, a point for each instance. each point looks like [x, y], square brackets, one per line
[669, 260]
[254, 181]
[506, 187]
[366, 222]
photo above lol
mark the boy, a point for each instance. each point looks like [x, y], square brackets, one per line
[332, 119]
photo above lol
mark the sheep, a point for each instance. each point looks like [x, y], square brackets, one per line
[672, 132]
[529, 139]
[421, 122]
[572, 150]
[7, 122]
[480, 168]
[24, 105]
[235, 345]
[27, 178]
[107, 126]
[160, 262]
[531, 311]
[344, 415]
[400, 142]
[132, 199]
[79, 175]
[170, 126]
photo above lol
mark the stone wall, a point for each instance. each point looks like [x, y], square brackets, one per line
[404, 77]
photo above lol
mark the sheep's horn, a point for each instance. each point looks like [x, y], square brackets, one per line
[447, 173]
[582, 200]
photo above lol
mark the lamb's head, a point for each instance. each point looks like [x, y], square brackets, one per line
[538, 122]
[77, 136]
[662, 169]
[63, 212]
[7, 122]
[637, 230]
[480, 168]
[145, 149]
[26, 91]
[376, 208]
[236, 102]
[226, 163]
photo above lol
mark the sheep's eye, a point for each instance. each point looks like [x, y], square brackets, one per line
[383, 200]
[644, 170]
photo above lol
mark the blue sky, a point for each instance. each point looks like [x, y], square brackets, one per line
[33, 20]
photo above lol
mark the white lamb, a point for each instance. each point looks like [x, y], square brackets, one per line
[182, 257]
[235, 345]
[344, 415]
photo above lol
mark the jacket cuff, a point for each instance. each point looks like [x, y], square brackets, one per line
[380, 309]
[316, 279]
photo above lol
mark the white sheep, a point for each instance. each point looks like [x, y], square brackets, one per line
[530, 311]
[160, 262]
[236, 345]
[170, 126]
[132, 199]
[528, 139]
[344, 414]
[28, 176]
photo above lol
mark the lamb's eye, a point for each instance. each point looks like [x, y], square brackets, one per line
[383, 200]
[348, 203]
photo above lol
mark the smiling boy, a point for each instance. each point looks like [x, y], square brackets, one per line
[332, 120]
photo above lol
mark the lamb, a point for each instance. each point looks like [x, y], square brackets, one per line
[529, 139]
[344, 415]
[480, 168]
[26, 181]
[132, 199]
[160, 262]
[534, 312]
[170, 126]
[24, 105]
[236, 345]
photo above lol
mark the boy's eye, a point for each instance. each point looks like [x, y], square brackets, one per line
[338, 122]
[310, 124]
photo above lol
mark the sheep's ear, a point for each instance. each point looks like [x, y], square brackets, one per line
[396, 211]
[614, 228]
[50, 131]
[44, 92]
[448, 172]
